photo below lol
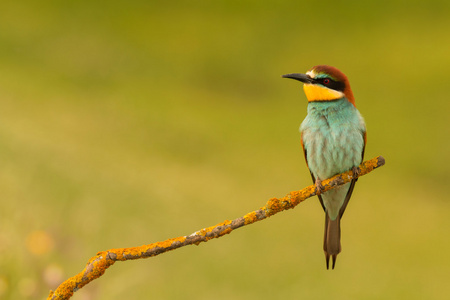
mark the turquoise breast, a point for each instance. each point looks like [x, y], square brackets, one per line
[333, 137]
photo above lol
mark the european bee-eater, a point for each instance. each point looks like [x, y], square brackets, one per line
[333, 137]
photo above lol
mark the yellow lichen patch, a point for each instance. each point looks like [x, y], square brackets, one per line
[65, 290]
[204, 231]
[371, 164]
[98, 269]
[168, 243]
[62, 292]
[99, 255]
[344, 178]
[119, 252]
[125, 253]
[226, 231]
[250, 218]
[297, 197]
[347, 176]
[276, 205]
[272, 206]
[132, 252]
[294, 198]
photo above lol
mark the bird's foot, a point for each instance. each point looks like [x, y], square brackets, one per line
[319, 186]
[356, 171]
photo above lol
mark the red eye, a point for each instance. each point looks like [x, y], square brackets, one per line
[326, 81]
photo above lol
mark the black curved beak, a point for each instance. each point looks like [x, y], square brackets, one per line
[300, 77]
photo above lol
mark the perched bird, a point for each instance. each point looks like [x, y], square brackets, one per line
[333, 137]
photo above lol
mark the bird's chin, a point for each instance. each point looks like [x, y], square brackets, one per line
[320, 93]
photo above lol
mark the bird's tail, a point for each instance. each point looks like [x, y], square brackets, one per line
[332, 239]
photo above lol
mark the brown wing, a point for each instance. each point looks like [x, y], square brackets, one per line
[312, 176]
[352, 183]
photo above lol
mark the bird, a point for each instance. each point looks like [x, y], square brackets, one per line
[333, 138]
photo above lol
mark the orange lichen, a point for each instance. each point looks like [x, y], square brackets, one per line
[169, 242]
[273, 205]
[206, 230]
[372, 164]
[137, 252]
[226, 231]
[250, 218]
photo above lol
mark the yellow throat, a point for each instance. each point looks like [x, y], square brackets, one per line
[319, 93]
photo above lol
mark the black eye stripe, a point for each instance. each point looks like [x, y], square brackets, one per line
[334, 85]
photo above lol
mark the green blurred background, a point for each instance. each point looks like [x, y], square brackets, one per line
[126, 123]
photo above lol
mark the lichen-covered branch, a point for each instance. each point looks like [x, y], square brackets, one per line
[98, 264]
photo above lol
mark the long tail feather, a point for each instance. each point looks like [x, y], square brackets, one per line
[332, 239]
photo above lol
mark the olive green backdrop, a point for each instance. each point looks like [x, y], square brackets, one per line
[126, 123]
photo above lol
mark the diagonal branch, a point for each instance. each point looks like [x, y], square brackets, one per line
[98, 264]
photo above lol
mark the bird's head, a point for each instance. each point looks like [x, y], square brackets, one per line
[324, 83]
